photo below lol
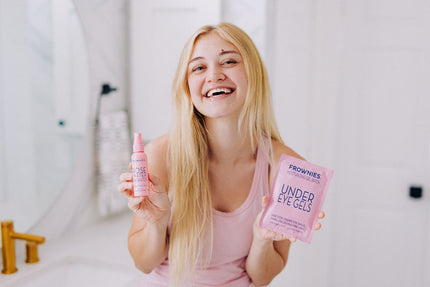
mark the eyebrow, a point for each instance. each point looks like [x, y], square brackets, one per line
[220, 54]
[229, 52]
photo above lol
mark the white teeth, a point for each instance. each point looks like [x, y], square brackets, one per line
[216, 91]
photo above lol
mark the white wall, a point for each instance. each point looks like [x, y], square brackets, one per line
[105, 30]
[251, 16]
[15, 79]
[37, 155]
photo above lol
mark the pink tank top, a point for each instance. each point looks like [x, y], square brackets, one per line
[233, 233]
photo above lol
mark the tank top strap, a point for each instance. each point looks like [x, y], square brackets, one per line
[262, 167]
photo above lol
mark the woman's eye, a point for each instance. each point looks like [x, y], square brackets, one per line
[229, 62]
[197, 68]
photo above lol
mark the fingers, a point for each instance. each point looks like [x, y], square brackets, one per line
[269, 234]
[264, 201]
[157, 184]
[126, 177]
[154, 179]
[126, 188]
[134, 202]
[272, 235]
[317, 225]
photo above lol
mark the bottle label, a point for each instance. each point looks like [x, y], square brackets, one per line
[140, 174]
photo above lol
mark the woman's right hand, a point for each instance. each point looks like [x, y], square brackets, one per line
[154, 208]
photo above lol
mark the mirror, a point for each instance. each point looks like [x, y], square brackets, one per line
[44, 104]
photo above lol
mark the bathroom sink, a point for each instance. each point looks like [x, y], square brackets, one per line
[74, 272]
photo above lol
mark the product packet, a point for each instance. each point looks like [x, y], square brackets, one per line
[296, 198]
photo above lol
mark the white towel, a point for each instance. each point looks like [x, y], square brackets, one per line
[113, 158]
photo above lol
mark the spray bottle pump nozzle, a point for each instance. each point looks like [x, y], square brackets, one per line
[138, 143]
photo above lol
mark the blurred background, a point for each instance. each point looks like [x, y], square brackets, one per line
[350, 88]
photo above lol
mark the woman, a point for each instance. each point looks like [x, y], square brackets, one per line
[211, 175]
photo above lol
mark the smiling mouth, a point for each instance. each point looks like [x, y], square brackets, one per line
[218, 92]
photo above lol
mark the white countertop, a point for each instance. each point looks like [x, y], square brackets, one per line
[99, 248]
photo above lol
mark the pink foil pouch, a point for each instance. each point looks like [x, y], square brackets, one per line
[296, 198]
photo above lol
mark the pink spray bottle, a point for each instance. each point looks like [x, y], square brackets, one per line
[139, 164]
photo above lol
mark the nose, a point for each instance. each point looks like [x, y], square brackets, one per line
[215, 75]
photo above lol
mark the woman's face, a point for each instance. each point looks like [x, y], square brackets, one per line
[216, 77]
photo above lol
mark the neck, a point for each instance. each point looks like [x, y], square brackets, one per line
[227, 143]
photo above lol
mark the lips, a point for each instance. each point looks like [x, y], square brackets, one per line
[218, 92]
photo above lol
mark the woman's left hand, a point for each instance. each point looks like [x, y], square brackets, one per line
[266, 234]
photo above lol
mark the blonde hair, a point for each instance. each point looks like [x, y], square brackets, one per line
[188, 149]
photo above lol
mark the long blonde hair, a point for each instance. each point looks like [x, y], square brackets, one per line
[188, 149]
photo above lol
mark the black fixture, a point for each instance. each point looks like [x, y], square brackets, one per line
[106, 89]
[415, 191]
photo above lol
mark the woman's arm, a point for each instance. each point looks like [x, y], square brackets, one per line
[148, 240]
[148, 244]
[269, 250]
[268, 254]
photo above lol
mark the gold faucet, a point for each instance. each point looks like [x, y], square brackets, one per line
[8, 246]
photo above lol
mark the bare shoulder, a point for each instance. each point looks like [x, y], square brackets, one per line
[158, 145]
[279, 149]
[156, 151]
